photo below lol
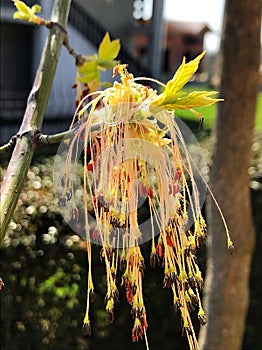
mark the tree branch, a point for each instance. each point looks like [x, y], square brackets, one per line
[33, 117]
[43, 139]
[55, 138]
[8, 146]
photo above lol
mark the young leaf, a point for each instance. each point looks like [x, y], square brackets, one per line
[88, 72]
[181, 77]
[184, 74]
[26, 13]
[105, 64]
[193, 99]
[108, 50]
[36, 8]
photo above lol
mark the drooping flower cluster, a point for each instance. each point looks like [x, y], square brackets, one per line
[135, 156]
[134, 153]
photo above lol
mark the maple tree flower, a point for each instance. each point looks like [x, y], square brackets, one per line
[133, 150]
[27, 13]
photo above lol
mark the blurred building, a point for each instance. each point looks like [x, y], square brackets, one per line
[181, 39]
[184, 39]
[149, 46]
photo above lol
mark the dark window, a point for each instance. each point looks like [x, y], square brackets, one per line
[192, 39]
[16, 68]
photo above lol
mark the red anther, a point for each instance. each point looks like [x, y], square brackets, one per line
[149, 192]
[74, 86]
[148, 86]
[96, 235]
[160, 250]
[131, 260]
[137, 332]
[129, 296]
[85, 92]
[115, 71]
[134, 335]
[75, 214]
[138, 168]
[90, 166]
[176, 189]
[94, 201]
[179, 173]
[170, 241]
[1, 284]
[144, 322]
[173, 188]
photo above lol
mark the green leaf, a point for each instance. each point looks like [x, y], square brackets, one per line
[183, 74]
[88, 72]
[194, 99]
[89, 77]
[19, 15]
[22, 7]
[172, 98]
[36, 8]
[89, 65]
[108, 50]
[105, 64]
[181, 77]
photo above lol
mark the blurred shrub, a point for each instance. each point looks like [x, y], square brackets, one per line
[44, 268]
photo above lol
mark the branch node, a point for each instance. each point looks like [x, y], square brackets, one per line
[12, 142]
[52, 24]
[36, 136]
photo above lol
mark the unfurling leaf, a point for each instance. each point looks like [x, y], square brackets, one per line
[108, 50]
[88, 71]
[173, 98]
[171, 93]
[36, 8]
[192, 100]
[26, 13]
[183, 74]
[104, 64]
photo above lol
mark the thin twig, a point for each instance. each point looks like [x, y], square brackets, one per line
[5, 148]
[8, 146]
[55, 138]
[79, 59]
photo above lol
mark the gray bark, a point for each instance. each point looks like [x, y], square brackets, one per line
[227, 281]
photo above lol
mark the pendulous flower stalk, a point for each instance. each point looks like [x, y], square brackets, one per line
[138, 153]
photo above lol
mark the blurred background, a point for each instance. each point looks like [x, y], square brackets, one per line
[43, 263]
